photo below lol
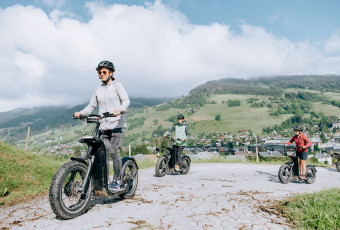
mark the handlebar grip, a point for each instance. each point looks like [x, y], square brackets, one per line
[80, 117]
[107, 114]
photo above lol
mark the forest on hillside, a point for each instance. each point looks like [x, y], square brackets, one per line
[269, 86]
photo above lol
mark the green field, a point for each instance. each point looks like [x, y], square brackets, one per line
[333, 96]
[328, 110]
[233, 119]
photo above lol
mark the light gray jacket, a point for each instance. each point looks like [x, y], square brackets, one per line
[109, 98]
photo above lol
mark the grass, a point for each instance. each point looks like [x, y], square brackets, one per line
[143, 164]
[332, 96]
[319, 210]
[328, 110]
[233, 119]
[24, 175]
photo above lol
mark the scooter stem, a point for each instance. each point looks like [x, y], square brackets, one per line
[84, 186]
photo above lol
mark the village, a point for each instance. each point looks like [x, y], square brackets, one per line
[245, 144]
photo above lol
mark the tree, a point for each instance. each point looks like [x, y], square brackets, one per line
[218, 117]
[230, 145]
[140, 149]
[323, 138]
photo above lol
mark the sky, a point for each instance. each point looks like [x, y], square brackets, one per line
[49, 48]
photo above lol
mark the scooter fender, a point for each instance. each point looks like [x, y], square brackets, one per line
[184, 157]
[125, 159]
[81, 160]
[312, 167]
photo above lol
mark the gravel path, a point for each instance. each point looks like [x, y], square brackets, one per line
[211, 196]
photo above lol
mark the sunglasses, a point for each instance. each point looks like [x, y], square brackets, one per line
[103, 72]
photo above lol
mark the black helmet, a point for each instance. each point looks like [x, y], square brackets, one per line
[106, 64]
[181, 116]
[297, 128]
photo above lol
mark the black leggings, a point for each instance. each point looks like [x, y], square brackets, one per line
[175, 155]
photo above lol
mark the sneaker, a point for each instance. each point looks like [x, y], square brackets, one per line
[171, 170]
[177, 167]
[114, 186]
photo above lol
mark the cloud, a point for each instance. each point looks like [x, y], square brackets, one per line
[51, 59]
[332, 45]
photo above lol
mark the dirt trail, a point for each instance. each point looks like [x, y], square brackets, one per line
[211, 196]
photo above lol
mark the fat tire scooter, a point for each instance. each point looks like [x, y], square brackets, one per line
[78, 180]
[165, 162]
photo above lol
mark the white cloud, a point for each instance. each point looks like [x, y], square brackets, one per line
[51, 59]
[332, 45]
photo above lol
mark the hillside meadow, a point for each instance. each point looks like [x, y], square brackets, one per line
[24, 175]
[233, 119]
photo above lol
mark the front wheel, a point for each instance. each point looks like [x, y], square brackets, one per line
[185, 165]
[129, 179]
[310, 174]
[161, 166]
[285, 173]
[65, 197]
[338, 165]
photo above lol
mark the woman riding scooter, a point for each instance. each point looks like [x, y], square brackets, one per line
[110, 97]
[302, 143]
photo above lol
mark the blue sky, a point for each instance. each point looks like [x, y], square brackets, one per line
[294, 19]
[160, 48]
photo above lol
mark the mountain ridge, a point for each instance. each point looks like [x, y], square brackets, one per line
[271, 88]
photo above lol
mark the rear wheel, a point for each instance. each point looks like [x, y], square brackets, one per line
[161, 166]
[285, 173]
[338, 165]
[185, 165]
[129, 179]
[65, 197]
[310, 174]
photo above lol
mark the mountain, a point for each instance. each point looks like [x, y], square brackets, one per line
[13, 124]
[259, 105]
[227, 105]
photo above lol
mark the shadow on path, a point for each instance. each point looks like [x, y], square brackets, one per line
[271, 177]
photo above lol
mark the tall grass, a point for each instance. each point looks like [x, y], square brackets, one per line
[319, 210]
[143, 164]
[24, 175]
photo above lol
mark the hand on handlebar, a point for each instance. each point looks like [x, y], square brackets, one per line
[117, 112]
[77, 114]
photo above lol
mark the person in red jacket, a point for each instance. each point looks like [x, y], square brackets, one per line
[302, 143]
